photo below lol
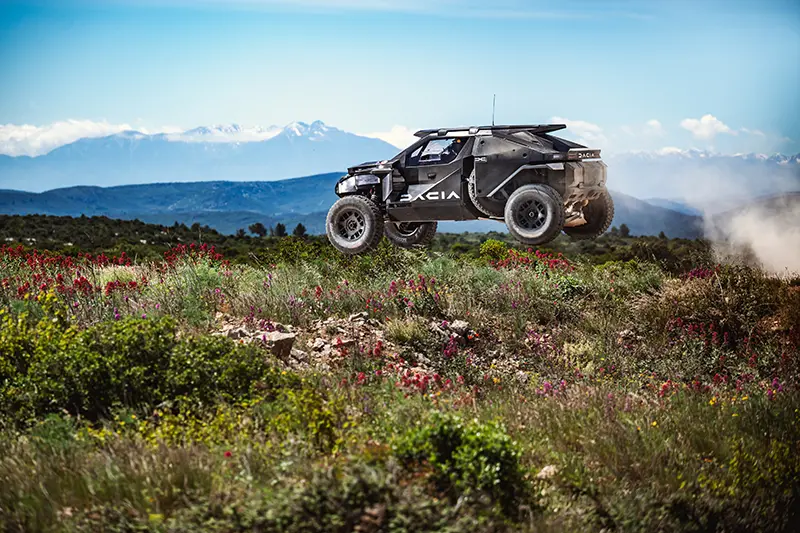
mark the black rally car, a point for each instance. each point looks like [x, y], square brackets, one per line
[537, 183]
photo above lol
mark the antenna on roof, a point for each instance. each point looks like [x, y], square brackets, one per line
[494, 101]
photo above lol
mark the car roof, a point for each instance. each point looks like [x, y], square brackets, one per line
[473, 130]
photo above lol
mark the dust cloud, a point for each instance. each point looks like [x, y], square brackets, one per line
[766, 234]
[744, 223]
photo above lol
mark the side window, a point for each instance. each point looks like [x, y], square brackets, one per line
[437, 152]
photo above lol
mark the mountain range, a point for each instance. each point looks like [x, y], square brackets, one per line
[228, 206]
[230, 153]
[229, 176]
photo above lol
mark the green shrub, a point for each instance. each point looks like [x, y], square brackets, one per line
[494, 250]
[468, 457]
[131, 362]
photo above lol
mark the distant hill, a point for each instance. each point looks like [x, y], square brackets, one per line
[201, 154]
[228, 206]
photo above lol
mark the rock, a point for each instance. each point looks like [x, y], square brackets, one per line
[459, 326]
[318, 344]
[345, 343]
[280, 344]
[299, 355]
[236, 333]
[362, 316]
[547, 472]
[421, 359]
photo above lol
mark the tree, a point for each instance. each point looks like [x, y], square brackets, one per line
[240, 233]
[662, 235]
[624, 230]
[258, 229]
[280, 230]
[299, 230]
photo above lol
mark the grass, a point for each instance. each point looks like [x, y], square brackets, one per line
[583, 397]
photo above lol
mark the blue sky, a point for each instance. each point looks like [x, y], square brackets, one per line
[626, 75]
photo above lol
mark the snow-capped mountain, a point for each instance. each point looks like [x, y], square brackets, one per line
[210, 153]
[702, 180]
[225, 133]
[693, 153]
[699, 180]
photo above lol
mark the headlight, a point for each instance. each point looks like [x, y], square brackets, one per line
[367, 179]
[346, 186]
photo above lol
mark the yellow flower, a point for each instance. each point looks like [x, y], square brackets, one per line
[712, 401]
[654, 424]
[744, 398]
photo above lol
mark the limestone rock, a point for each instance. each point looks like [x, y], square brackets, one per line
[280, 344]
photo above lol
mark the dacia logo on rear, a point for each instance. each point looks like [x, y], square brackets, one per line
[433, 195]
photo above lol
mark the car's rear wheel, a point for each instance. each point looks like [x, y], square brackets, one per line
[354, 225]
[410, 234]
[534, 214]
[598, 214]
[487, 206]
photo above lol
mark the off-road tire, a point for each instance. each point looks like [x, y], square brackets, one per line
[354, 225]
[534, 214]
[410, 234]
[491, 208]
[598, 214]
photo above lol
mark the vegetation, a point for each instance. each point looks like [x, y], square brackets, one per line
[72, 236]
[495, 389]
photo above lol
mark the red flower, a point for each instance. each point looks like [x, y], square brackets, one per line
[228, 454]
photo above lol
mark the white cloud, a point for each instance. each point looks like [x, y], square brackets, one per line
[588, 133]
[36, 140]
[668, 150]
[707, 127]
[653, 127]
[758, 133]
[399, 136]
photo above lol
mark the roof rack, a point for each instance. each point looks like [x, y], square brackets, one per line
[533, 128]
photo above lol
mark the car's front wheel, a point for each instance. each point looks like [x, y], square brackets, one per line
[534, 214]
[354, 225]
[410, 234]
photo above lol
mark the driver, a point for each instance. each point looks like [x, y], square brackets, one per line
[452, 150]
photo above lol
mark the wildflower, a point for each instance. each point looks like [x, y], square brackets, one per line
[228, 454]
[654, 424]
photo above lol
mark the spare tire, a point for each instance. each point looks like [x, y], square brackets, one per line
[598, 213]
[354, 225]
[534, 214]
[410, 234]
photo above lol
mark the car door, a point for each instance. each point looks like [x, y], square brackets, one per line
[435, 160]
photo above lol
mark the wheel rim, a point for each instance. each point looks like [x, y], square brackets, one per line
[531, 215]
[406, 229]
[350, 225]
